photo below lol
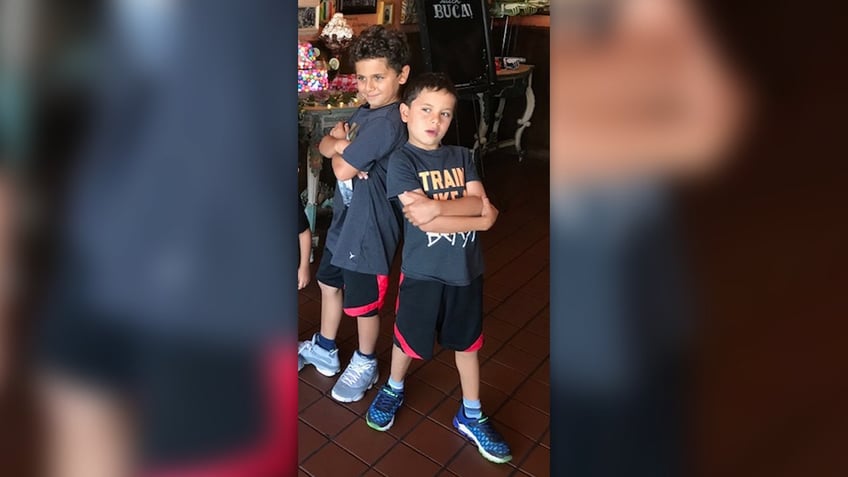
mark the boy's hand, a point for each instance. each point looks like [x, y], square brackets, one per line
[363, 175]
[340, 130]
[489, 213]
[419, 208]
[303, 277]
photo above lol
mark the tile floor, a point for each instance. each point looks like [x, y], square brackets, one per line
[334, 440]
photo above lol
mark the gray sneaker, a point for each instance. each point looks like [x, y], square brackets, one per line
[357, 378]
[326, 362]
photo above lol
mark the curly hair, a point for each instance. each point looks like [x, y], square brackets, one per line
[378, 41]
[428, 82]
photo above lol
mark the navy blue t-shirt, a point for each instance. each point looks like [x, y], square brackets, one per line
[364, 235]
[455, 258]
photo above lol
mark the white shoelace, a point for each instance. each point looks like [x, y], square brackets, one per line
[354, 372]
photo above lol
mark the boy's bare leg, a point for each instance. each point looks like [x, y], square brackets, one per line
[400, 364]
[369, 330]
[332, 306]
[468, 366]
[88, 431]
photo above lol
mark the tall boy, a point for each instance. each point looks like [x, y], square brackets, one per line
[365, 229]
[441, 290]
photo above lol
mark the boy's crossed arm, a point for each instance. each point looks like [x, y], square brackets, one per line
[472, 212]
[333, 146]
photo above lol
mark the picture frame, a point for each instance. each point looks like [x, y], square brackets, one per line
[356, 7]
[385, 12]
[408, 12]
[308, 17]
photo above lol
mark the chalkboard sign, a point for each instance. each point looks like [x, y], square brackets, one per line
[456, 40]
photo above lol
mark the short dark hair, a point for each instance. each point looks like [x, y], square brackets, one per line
[430, 82]
[378, 41]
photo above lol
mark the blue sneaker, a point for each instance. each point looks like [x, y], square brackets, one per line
[381, 412]
[482, 433]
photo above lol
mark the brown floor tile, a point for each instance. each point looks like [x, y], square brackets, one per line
[444, 413]
[446, 473]
[540, 325]
[524, 419]
[403, 461]
[532, 343]
[501, 377]
[317, 380]
[438, 375]
[519, 309]
[420, 396]
[489, 302]
[330, 459]
[546, 439]
[306, 332]
[302, 473]
[470, 463]
[308, 441]
[447, 357]
[497, 328]
[519, 444]
[543, 374]
[491, 397]
[310, 311]
[364, 442]
[306, 395]
[517, 359]
[328, 417]
[538, 463]
[491, 345]
[535, 394]
[372, 473]
[405, 420]
[434, 441]
[361, 407]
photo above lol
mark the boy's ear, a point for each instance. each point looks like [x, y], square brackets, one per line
[404, 112]
[404, 74]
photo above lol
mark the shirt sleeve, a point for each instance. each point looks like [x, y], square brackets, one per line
[470, 166]
[401, 176]
[374, 139]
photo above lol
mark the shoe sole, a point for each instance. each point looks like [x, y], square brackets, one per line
[325, 371]
[355, 398]
[470, 436]
[378, 428]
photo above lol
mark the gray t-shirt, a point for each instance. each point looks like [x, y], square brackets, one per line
[364, 234]
[455, 258]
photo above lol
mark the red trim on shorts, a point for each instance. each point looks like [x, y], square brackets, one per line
[276, 454]
[407, 350]
[476, 345]
[364, 310]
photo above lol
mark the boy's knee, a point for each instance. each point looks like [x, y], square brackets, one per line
[328, 289]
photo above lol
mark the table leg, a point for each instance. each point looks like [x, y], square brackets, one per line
[311, 194]
[481, 138]
[524, 122]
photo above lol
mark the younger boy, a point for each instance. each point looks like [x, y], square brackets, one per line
[365, 229]
[441, 290]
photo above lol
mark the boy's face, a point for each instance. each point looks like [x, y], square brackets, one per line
[428, 118]
[378, 83]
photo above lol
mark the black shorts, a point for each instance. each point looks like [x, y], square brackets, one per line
[429, 311]
[364, 294]
[200, 407]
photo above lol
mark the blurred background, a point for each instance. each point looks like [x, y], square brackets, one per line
[750, 197]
